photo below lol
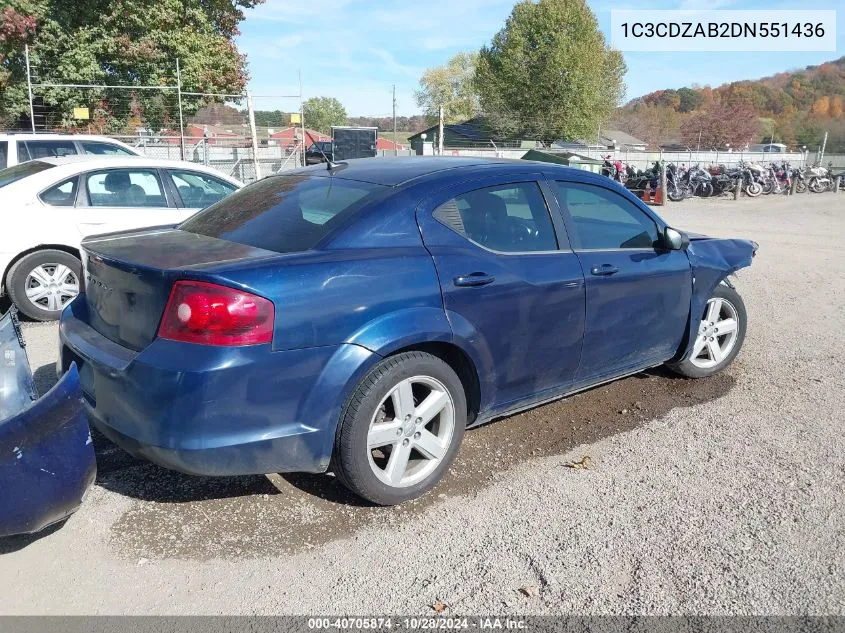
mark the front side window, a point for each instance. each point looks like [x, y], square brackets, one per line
[103, 149]
[125, 188]
[61, 195]
[507, 218]
[602, 219]
[200, 190]
[284, 214]
[4, 154]
[50, 149]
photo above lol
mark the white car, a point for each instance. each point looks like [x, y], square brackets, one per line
[19, 147]
[47, 206]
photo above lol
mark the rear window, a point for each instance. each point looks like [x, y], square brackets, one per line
[17, 172]
[284, 214]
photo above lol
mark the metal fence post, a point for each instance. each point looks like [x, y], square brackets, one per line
[254, 135]
[181, 122]
[29, 87]
[662, 184]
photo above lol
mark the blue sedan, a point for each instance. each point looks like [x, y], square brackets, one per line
[358, 317]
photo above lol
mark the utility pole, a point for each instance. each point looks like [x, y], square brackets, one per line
[254, 135]
[29, 87]
[698, 149]
[395, 146]
[440, 134]
[181, 123]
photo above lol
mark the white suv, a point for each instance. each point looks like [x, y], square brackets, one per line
[18, 148]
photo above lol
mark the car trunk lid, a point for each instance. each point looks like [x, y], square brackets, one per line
[128, 277]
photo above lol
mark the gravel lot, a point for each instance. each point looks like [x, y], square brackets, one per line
[719, 496]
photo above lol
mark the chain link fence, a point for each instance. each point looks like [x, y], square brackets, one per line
[163, 120]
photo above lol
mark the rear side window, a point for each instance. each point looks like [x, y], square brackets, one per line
[50, 149]
[507, 218]
[61, 195]
[103, 149]
[284, 214]
[4, 154]
[16, 172]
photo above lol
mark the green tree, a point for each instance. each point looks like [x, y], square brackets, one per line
[321, 113]
[689, 100]
[451, 86]
[126, 43]
[549, 74]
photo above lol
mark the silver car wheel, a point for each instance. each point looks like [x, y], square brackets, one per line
[717, 334]
[51, 286]
[411, 431]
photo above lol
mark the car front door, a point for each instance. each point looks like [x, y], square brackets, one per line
[512, 288]
[195, 190]
[638, 293]
[121, 199]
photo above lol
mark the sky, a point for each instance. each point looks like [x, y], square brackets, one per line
[356, 50]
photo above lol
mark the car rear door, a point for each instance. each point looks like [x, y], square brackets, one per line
[638, 293]
[194, 190]
[511, 285]
[123, 198]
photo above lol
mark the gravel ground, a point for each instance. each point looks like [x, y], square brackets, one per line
[718, 496]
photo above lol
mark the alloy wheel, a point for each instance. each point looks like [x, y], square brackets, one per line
[411, 431]
[51, 286]
[717, 334]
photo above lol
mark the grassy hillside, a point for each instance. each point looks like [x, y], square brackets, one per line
[794, 107]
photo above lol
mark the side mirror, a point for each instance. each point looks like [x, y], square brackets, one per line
[675, 240]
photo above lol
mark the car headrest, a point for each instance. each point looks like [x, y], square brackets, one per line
[116, 181]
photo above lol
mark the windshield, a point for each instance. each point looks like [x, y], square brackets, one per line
[17, 172]
[284, 214]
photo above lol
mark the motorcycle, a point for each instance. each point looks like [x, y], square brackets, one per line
[751, 176]
[819, 178]
[687, 183]
[639, 180]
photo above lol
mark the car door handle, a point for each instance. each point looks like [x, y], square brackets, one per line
[605, 269]
[474, 279]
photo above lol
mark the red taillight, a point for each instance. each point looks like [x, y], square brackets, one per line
[199, 312]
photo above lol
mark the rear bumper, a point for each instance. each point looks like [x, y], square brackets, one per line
[46, 457]
[213, 410]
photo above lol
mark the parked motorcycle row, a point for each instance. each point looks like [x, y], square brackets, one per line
[695, 181]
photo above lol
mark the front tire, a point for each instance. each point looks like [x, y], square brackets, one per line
[42, 283]
[753, 189]
[720, 335]
[401, 430]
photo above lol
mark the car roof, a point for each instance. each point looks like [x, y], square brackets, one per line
[394, 171]
[68, 166]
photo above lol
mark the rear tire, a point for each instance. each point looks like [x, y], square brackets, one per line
[390, 446]
[42, 283]
[720, 335]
